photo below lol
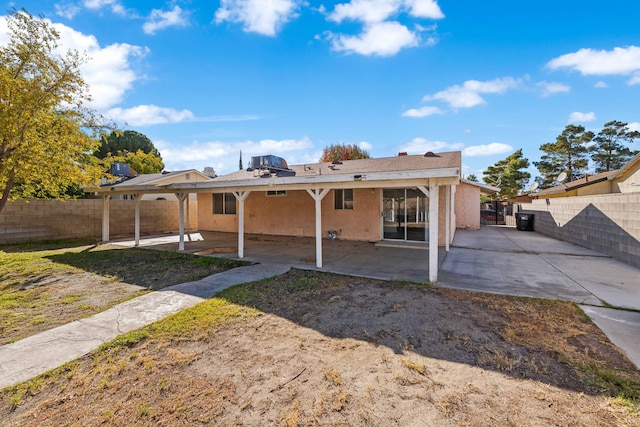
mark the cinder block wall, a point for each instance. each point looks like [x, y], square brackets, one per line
[24, 221]
[608, 223]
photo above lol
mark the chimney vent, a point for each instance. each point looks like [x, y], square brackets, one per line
[402, 153]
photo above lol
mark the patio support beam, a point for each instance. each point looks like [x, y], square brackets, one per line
[318, 195]
[105, 217]
[241, 196]
[136, 199]
[181, 198]
[433, 231]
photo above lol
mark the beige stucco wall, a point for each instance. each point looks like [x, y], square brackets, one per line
[468, 206]
[23, 221]
[294, 215]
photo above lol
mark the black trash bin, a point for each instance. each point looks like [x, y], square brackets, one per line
[524, 221]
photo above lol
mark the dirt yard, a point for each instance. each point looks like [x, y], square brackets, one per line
[317, 349]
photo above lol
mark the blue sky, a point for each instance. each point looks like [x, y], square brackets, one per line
[206, 79]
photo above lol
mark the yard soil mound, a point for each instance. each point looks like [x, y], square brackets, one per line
[335, 350]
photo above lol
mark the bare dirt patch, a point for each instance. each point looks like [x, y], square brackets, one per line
[316, 349]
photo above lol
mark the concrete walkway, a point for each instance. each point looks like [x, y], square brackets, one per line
[37, 354]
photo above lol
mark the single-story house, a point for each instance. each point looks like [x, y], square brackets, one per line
[403, 198]
[623, 180]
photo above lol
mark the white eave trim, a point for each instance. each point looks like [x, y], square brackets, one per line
[354, 180]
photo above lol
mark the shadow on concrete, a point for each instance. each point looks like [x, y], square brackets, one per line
[591, 228]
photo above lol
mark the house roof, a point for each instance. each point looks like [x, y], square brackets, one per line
[153, 178]
[578, 183]
[349, 167]
[628, 167]
[484, 188]
[355, 173]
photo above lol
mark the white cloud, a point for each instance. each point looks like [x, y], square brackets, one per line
[589, 62]
[68, 10]
[225, 155]
[258, 16]
[487, 150]
[425, 9]
[577, 116]
[108, 71]
[467, 95]
[422, 145]
[365, 145]
[159, 20]
[145, 115]
[422, 112]
[550, 88]
[600, 85]
[114, 5]
[635, 79]
[381, 39]
[374, 11]
[368, 11]
[634, 126]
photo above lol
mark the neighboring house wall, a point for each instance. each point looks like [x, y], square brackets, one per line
[22, 221]
[468, 207]
[607, 223]
[294, 215]
[630, 184]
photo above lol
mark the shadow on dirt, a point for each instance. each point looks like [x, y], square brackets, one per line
[547, 341]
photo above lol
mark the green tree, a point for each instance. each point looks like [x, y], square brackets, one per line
[609, 153]
[472, 177]
[130, 147]
[341, 151]
[139, 161]
[568, 154]
[43, 124]
[508, 175]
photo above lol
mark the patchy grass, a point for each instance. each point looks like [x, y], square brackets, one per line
[295, 350]
[46, 286]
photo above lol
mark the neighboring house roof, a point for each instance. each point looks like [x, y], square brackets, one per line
[629, 167]
[484, 188]
[155, 178]
[578, 183]
[358, 172]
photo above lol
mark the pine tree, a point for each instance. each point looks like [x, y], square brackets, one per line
[568, 154]
[609, 153]
[507, 174]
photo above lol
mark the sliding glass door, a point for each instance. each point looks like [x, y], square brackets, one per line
[405, 214]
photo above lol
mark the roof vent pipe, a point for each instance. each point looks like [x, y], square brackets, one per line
[402, 153]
